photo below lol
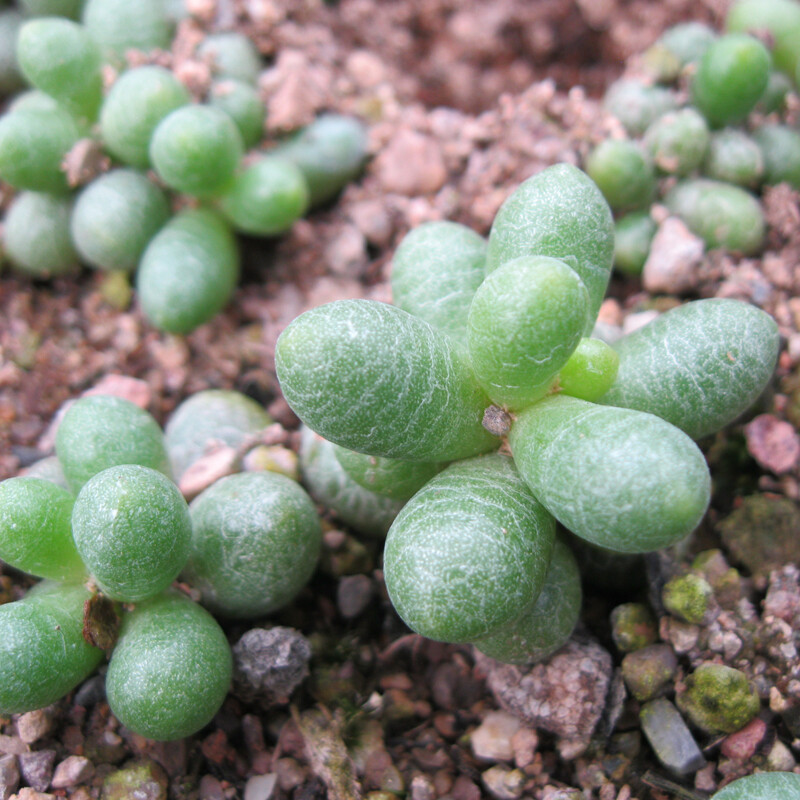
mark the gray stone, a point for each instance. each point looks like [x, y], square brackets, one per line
[565, 696]
[670, 737]
[91, 692]
[9, 776]
[353, 595]
[37, 768]
[269, 664]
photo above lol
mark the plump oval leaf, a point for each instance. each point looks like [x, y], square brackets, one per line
[59, 57]
[100, 431]
[621, 479]
[330, 152]
[590, 371]
[115, 217]
[469, 552]
[266, 198]
[132, 528]
[213, 415]
[188, 271]
[139, 99]
[36, 235]
[170, 670]
[43, 654]
[560, 213]
[697, 366]
[329, 483]
[731, 77]
[721, 214]
[255, 542]
[762, 786]
[36, 529]
[390, 477]
[548, 623]
[196, 150]
[526, 319]
[436, 270]
[373, 378]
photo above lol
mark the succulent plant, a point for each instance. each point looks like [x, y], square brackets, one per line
[110, 534]
[71, 131]
[697, 112]
[598, 438]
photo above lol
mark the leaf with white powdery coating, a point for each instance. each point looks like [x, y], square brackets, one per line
[560, 213]
[697, 366]
[621, 479]
[469, 552]
[375, 379]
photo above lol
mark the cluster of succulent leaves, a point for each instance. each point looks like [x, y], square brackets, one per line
[704, 131]
[108, 531]
[482, 411]
[204, 156]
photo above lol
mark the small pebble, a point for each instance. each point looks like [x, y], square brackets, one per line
[672, 266]
[491, 740]
[704, 778]
[632, 627]
[36, 768]
[761, 533]
[690, 598]
[138, 780]
[773, 442]
[270, 664]
[780, 758]
[411, 164]
[503, 783]
[648, 670]
[290, 774]
[353, 595]
[565, 696]
[681, 635]
[670, 737]
[27, 793]
[422, 788]
[718, 698]
[260, 787]
[210, 788]
[524, 743]
[465, 789]
[34, 725]
[9, 776]
[638, 320]
[742, 745]
[72, 771]
[91, 691]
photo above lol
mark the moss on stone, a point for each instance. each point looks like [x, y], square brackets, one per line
[718, 699]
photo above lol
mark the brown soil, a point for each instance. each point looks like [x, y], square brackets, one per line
[464, 100]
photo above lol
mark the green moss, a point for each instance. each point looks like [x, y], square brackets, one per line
[762, 533]
[688, 597]
[718, 699]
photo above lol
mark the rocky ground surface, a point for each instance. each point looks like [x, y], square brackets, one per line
[334, 697]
